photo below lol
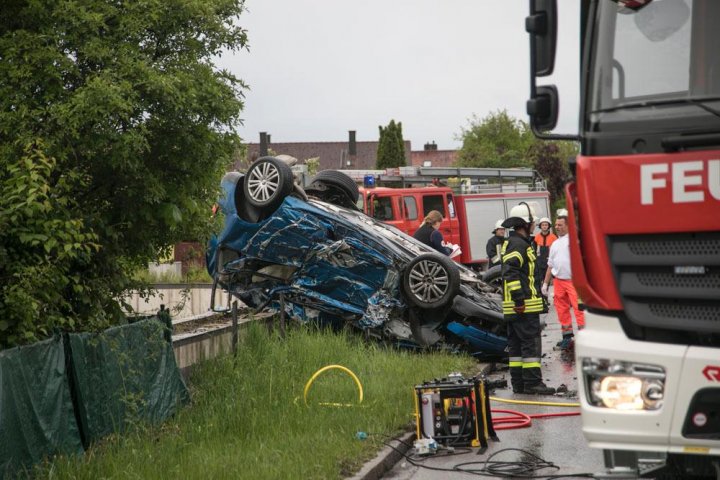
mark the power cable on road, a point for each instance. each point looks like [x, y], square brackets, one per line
[497, 468]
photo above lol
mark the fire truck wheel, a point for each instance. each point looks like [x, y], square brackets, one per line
[430, 280]
[339, 180]
[493, 277]
[267, 182]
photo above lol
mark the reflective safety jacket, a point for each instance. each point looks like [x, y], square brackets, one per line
[543, 243]
[519, 271]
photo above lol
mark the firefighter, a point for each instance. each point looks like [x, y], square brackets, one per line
[543, 239]
[494, 244]
[522, 303]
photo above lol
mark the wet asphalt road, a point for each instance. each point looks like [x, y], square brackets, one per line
[558, 440]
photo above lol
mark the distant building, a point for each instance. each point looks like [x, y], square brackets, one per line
[352, 155]
[430, 156]
[333, 155]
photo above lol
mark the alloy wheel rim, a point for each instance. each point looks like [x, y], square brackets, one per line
[263, 182]
[428, 281]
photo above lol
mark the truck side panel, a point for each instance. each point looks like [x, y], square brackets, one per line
[480, 212]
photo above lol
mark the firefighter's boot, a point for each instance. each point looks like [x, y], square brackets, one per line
[539, 389]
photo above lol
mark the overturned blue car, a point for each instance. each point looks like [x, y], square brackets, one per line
[313, 252]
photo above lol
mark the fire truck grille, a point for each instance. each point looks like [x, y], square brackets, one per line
[694, 312]
[669, 281]
[665, 247]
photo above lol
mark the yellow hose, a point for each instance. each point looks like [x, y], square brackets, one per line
[529, 402]
[334, 367]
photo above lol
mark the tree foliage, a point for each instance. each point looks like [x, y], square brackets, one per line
[501, 141]
[549, 159]
[391, 146]
[496, 141]
[115, 127]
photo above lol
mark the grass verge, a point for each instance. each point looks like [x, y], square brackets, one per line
[248, 419]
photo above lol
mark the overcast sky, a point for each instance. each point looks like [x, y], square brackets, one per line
[318, 68]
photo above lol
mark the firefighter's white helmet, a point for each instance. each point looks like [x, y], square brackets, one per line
[544, 219]
[524, 211]
[498, 224]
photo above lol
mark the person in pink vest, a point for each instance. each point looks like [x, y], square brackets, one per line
[565, 296]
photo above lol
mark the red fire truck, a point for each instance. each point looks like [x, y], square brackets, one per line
[645, 227]
[470, 209]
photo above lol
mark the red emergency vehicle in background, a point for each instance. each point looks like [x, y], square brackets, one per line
[644, 223]
[470, 209]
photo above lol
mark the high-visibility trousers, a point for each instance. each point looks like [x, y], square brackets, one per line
[566, 297]
[524, 350]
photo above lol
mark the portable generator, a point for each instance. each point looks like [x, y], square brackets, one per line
[454, 411]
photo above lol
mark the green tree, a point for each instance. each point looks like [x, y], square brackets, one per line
[115, 126]
[391, 146]
[401, 143]
[550, 160]
[496, 141]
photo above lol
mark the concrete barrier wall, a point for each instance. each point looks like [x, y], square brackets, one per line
[194, 347]
[183, 300]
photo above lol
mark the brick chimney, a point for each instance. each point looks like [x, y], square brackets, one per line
[352, 150]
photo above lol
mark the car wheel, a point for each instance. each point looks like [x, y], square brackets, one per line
[431, 280]
[243, 208]
[493, 277]
[339, 180]
[267, 182]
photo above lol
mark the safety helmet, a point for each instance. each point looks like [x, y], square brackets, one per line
[544, 219]
[561, 212]
[520, 215]
[498, 224]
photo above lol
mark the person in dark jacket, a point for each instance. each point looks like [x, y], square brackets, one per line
[522, 303]
[429, 232]
[494, 244]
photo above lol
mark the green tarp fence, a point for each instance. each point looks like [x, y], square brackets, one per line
[122, 376]
[59, 395]
[36, 411]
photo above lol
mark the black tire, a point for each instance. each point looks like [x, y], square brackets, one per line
[493, 277]
[267, 182]
[243, 208]
[430, 280]
[339, 180]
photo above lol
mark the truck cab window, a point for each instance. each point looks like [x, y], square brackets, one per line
[433, 202]
[411, 210]
[451, 206]
[382, 208]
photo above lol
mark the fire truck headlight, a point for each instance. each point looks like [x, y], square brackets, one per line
[623, 385]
